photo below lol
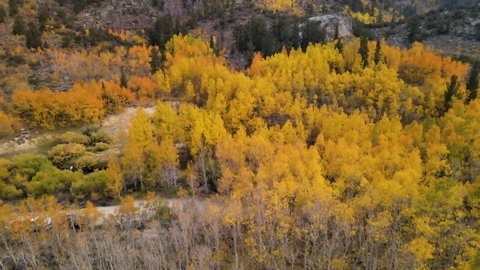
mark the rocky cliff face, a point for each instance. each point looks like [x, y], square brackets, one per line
[330, 22]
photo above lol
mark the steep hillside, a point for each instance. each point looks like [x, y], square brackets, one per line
[56, 44]
[452, 27]
[451, 31]
[425, 6]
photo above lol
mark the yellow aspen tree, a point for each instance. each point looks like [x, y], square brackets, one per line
[115, 178]
[140, 137]
[168, 160]
[90, 214]
[165, 122]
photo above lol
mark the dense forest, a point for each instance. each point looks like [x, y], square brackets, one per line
[321, 153]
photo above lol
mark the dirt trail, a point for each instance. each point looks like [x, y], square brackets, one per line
[174, 203]
[29, 140]
[112, 124]
[200, 205]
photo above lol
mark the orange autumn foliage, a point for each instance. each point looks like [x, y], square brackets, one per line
[49, 109]
[145, 88]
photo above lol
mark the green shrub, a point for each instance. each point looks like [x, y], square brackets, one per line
[15, 60]
[163, 213]
[28, 165]
[99, 147]
[7, 189]
[91, 187]
[63, 153]
[88, 130]
[99, 137]
[73, 137]
[52, 181]
[86, 164]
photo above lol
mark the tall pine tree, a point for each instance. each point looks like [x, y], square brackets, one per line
[473, 82]
[12, 7]
[414, 29]
[18, 26]
[337, 33]
[339, 46]
[43, 16]
[3, 14]
[364, 51]
[156, 60]
[33, 36]
[123, 79]
[452, 88]
[378, 52]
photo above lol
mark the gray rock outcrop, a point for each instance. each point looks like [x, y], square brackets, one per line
[330, 22]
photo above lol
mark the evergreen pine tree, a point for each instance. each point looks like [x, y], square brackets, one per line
[473, 82]
[3, 14]
[12, 7]
[214, 44]
[339, 46]
[162, 31]
[477, 32]
[33, 36]
[43, 16]
[158, 4]
[156, 60]
[364, 51]
[414, 29]
[18, 26]
[313, 33]
[378, 52]
[123, 79]
[451, 91]
[337, 33]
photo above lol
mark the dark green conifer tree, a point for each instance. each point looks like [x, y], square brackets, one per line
[156, 61]
[3, 14]
[12, 7]
[452, 88]
[378, 52]
[33, 36]
[123, 79]
[473, 82]
[364, 51]
[18, 26]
